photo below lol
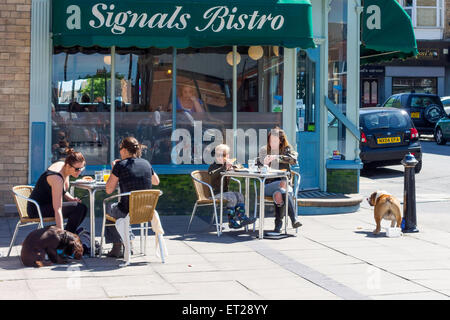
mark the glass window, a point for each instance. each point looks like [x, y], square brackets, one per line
[260, 74]
[306, 77]
[419, 85]
[80, 104]
[183, 129]
[143, 95]
[337, 71]
[203, 101]
[389, 103]
[424, 13]
[384, 120]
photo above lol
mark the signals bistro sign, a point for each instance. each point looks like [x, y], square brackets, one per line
[215, 19]
[196, 23]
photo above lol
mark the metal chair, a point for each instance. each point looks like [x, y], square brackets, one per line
[21, 198]
[205, 195]
[295, 181]
[142, 206]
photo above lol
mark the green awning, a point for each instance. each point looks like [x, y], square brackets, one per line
[387, 32]
[182, 23]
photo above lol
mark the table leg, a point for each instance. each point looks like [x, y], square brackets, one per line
[247, 200]
[221, 206]
[286, 206]
[92, 219]
[261, 209]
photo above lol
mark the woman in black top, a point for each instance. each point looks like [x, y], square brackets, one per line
[51, 188]
[131, 173]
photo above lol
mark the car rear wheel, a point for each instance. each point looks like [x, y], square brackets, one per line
[439, 136]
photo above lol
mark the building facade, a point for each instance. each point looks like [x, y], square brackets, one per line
[79, 75]
[428, 72]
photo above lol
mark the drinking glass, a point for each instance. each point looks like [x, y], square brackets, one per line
[252, 165]
[106, 174]
[98, 176]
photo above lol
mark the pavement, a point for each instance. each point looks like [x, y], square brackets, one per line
[332, 257]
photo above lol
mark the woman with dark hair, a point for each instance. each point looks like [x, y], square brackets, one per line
[51, 188]
[131, 173]
[279, 154]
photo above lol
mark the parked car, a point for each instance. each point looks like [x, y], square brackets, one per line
[387, 135]
[446, 103]
[423, 108]
[442, 130]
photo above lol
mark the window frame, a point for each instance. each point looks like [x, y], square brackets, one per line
[440, 12]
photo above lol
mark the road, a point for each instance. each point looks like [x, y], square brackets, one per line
[432, 185]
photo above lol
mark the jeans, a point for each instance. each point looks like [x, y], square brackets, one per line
[232, 198]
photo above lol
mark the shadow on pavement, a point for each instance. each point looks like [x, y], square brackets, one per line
[369, 234]
[381, 173]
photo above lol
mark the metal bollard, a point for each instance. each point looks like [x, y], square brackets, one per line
[409, 194]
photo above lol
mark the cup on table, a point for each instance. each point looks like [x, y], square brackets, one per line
[98, 176]
[265, 169]
[106, 174]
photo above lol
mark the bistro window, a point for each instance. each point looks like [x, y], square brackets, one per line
[144, 101]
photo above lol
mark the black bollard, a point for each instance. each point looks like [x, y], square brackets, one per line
[409, 194]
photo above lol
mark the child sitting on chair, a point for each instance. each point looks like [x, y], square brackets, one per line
[235, 208]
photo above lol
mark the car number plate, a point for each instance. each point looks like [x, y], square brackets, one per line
[388, 140]
[415, 115]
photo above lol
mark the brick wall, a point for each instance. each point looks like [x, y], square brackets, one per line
[15, 19]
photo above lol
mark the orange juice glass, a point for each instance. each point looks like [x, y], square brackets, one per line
[106, 174]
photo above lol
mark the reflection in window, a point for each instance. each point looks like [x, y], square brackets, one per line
[80, 104]
[203, 100]
[418, 85]
[144, 81]
[143, 101]
[259, 90]
[305, 92]
[337, 71]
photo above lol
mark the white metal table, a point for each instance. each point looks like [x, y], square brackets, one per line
[92, 187]
[261, 177]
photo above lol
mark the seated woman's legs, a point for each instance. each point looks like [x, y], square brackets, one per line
[278, 195]
[74, 212]
[111, 233]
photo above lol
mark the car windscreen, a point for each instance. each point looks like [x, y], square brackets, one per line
[384, 120]
[424, 101]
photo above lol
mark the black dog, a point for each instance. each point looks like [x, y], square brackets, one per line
[52, 241]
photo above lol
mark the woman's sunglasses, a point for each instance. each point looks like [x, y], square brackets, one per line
[77, 169]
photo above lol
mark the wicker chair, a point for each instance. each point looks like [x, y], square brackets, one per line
[21, 198]
[205, 195]
[142, 206]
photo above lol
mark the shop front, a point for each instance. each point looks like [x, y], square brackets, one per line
[183, 76]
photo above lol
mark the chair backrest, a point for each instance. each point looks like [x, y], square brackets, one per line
[142, 205]
[202, 191]
[21, 203]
